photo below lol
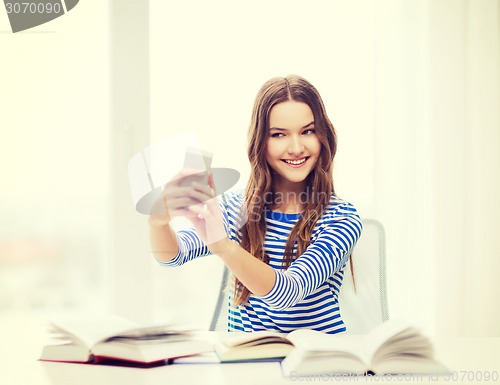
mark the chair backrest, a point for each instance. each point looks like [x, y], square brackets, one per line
[220, 317]
[363, 307]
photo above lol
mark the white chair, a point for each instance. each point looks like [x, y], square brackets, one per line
[364, 305]
[220, 316]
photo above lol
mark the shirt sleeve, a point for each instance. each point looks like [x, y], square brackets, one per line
[191, 245]
[323, 258]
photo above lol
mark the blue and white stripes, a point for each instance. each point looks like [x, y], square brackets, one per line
[305, 294]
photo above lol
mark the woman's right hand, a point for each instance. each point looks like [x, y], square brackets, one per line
[174, 200]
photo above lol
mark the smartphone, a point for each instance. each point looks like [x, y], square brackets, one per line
[197, 159]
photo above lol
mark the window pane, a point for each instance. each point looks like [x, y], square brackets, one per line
[54, 152]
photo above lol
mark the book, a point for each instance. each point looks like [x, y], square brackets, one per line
[394, 347]
[255, 346]
[115, 340]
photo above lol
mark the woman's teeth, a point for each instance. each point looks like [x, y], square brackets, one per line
[295, 162]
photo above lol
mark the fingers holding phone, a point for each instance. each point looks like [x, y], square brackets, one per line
[184, 191]
[192, 185]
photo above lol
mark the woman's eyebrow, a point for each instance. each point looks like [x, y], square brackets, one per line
[285, 129]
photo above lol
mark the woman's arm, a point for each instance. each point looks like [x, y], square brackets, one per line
[163, 241]
[322, 259]
[257, 276]
[280, 289]
[283, 289]
[211, 225]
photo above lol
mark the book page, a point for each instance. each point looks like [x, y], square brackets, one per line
[150, 352]
[90, 330]
[409, 364]
[254, 338]
[381, 334]
[315, 341]
[303, 362]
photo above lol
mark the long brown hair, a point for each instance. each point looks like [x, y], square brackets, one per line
[260, 184]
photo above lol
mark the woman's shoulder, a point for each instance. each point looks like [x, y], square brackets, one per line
[341, 218]
[338, 208]
[233, 200]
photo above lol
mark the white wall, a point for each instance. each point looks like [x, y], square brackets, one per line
[466, 154]
[402, 162]
[437, 160]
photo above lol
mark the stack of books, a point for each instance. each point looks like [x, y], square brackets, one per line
[393, 347]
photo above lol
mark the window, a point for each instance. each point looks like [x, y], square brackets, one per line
[54, 156]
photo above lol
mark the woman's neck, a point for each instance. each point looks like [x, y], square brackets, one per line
[289, 198]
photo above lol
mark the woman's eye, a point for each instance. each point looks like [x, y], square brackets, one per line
[309, 132]
[276, 135]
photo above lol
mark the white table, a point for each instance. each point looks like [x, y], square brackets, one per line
[20, 345]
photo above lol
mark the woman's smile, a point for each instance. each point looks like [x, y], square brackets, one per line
[295, 163]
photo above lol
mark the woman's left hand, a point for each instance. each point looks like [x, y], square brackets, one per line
[207, 216]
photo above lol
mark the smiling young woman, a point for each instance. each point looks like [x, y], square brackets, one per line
[288, 237]
[292, 147]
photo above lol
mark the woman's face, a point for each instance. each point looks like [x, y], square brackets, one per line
[292, 144]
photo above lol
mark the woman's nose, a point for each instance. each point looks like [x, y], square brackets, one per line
[295, 146]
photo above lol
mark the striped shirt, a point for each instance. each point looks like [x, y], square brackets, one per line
[306, 294]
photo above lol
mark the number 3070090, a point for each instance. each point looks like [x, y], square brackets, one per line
[33, 8]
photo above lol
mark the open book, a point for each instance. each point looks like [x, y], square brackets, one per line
[392, 347]
[261, 345]
[115, 340]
